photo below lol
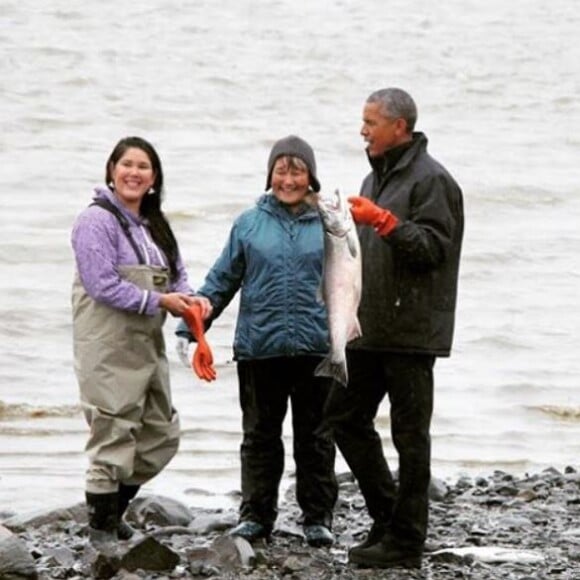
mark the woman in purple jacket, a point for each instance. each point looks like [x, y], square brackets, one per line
[129, 274]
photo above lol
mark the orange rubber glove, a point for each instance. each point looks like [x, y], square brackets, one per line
[202, 361]
[364, 211]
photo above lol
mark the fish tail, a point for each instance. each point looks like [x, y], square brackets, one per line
[336, 371]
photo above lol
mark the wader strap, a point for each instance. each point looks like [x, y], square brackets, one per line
[106, 204]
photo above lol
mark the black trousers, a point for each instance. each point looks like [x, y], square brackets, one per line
[351, 412]
[265, 388]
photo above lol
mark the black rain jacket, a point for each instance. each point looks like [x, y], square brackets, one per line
[409, 288]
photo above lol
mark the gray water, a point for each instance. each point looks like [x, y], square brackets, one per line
[212, 85]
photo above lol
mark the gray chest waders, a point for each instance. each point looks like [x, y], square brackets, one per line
[123, 375]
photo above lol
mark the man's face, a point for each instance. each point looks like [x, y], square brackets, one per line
[380, 131]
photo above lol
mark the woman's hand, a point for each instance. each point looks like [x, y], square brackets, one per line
[176, 302]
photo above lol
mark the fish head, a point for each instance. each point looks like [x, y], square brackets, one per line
[335, 213]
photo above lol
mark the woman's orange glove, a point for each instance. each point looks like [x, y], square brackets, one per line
[202, 361]
[364, 211]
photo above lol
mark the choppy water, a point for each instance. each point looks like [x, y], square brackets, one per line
[212, 85]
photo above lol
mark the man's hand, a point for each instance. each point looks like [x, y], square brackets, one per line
[365, 212]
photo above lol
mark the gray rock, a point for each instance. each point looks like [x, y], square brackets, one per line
[5, 532]
[62, 555]
[464, 483]
[213, 522]
[35, 519]
[159, 511]
[149, 554]
[100, 564]
[146, 553]
[15, 560]
[226, 554]
[527, 495]
[203, 561]
[506, 490]
[513, 522]
[295, 563]
[234, 552]
[492, 554]
[124, 575]
[438, 489]
[542, 518]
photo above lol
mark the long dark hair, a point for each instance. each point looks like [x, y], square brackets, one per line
[150, 207]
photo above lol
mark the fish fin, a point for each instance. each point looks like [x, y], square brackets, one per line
[355, 330]
[335, 371]
[352, 247]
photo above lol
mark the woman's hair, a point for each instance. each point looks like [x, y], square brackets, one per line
[294, 162]
[151, 203]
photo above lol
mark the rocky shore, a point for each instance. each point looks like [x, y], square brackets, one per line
[487, 528]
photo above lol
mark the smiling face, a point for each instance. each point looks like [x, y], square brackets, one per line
[132, 177]
[380, 131]
[290, 180]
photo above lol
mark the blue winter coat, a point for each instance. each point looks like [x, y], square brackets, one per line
[275, 258]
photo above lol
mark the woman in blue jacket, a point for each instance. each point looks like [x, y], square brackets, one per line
[274, 256]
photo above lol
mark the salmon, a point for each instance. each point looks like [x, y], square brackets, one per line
[341, 282]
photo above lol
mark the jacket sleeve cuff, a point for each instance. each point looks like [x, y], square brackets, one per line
[151, 302]
[183, 331]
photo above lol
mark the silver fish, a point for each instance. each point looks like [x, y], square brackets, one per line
[341, 282]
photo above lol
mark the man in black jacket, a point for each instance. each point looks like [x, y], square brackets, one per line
[410, 224]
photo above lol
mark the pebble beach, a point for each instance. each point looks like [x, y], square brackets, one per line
[483, 528]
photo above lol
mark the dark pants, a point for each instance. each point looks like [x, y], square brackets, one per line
[408, 381]
[265, 386]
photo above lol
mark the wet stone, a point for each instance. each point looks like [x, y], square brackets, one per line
[149, 554]
[535, 515]
[233, 552]
[15, 560]
[205, 523]
[159, 511]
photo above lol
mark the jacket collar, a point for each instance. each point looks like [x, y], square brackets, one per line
[269, 203]
[398, 157]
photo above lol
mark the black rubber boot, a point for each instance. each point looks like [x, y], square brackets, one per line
[377, 531]
[103, 513]
[126, 494]
[387, 553]
[318, 536]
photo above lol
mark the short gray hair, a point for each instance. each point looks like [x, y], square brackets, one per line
[397, 103]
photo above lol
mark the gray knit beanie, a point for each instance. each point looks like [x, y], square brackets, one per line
[295, 147]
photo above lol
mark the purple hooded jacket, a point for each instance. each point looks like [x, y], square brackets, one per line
[100, 245]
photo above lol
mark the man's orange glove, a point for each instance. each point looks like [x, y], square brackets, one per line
[202, 361]
[364, 211]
